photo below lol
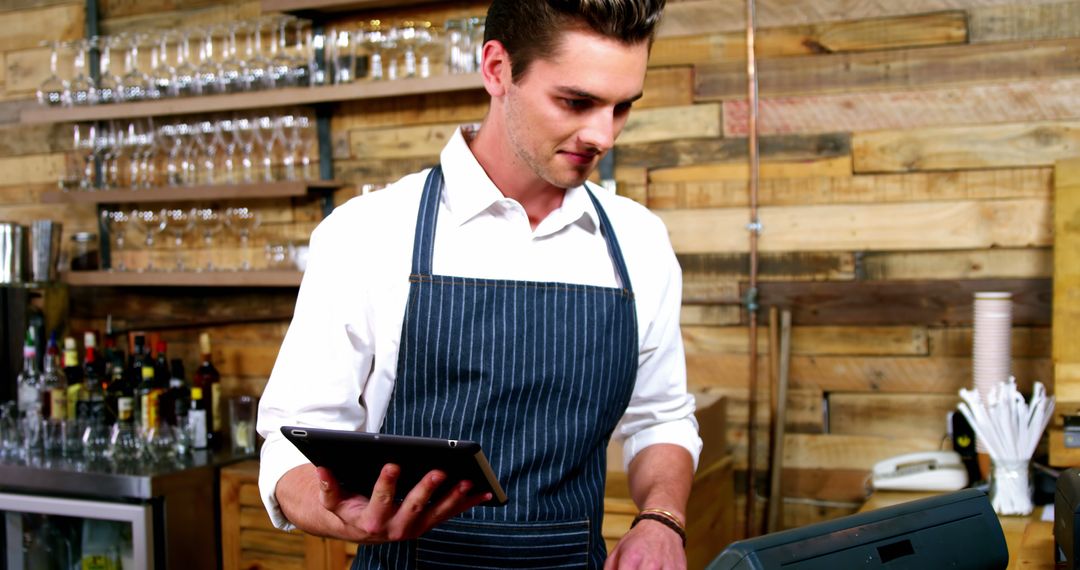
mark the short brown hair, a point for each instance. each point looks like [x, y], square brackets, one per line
[530, 29]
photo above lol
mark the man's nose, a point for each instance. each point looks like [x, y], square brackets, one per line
[601, 129]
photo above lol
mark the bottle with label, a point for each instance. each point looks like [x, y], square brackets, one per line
[208, 380]
[53, 385]
[29, 379]
[117, 389]
[197, 419]
[135, 372]
[94, 389]
[74, 375]
[177, 399]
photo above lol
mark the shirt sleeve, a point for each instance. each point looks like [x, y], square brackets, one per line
[661, 410]
[317, 378]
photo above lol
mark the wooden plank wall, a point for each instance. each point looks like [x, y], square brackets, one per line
[907, 153]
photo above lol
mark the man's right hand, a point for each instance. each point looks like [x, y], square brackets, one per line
[312, 500]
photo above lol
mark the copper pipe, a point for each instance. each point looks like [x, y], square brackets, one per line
[751, 297]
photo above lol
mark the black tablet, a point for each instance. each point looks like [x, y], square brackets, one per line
[356, 459]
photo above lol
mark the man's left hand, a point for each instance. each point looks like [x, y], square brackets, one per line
[648, 546]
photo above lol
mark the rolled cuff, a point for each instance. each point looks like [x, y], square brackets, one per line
[277, 457]
[683, 433]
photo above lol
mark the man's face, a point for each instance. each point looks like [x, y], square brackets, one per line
[566, 110]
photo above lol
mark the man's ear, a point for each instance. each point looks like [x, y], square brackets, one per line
[496, 68]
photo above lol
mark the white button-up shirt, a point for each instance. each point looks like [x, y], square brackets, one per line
[337, 365]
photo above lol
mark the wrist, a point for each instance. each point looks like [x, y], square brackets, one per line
[666, 518]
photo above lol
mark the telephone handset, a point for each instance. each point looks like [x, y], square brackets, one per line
[921, 471]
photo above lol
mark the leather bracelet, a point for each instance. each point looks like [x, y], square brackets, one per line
[652, 516]
[667, 514]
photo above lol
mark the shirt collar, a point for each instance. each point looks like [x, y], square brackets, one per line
[469, 191]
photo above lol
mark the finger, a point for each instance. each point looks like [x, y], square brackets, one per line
[454, 503]
[412, 513]
[329, 491]
[381, 503]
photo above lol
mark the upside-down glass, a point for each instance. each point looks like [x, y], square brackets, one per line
[81, 89]
[185, 75]
[258, 70]
[232, 77]
[207, 75]
[135, 84]
[51, 91]
[161, 73]
[108, 84]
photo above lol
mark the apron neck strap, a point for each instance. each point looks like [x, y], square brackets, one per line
[427, 218]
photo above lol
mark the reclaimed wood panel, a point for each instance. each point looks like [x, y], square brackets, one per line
[780, 266]
[886, 374]
[818, 340]
[812, 451]
[972, 264]
[26, 69]
[883, 227]
[826, 484]
[711, 151]
[805, 414]
[1024, 21]
[28, 28]
[829, 37]
[273, 542]
[136, 308]
[1026, 342]
[708, 291]
[1014, 101]
[179, 18]
[799, 513]
[862, 189]
[934, 303]
[838, 166]
[32, 169]
[708, 16]
[23, 140]
[371, 171]
[914, 415]
[10, 111]
[892, 70]
[952, 148]
[1066, 344]
[667, 87]
[710, 315]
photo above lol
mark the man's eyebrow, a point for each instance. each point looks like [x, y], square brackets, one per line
[583, 94]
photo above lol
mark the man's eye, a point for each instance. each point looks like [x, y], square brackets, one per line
[576, 104]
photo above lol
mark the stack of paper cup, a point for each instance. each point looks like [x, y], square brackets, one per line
[992, 351]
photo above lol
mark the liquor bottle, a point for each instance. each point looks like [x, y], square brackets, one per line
[74, 375]
[161, 364]
[118, 391]
[94, 391]
[90, 341]
[197, 419]
[209, 381]
[53, 385]
[135, 373]
[176, 400]
[29, 379]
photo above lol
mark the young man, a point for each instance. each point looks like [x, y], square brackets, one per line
[496, 298]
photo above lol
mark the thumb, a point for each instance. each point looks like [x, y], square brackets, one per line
[329, 491]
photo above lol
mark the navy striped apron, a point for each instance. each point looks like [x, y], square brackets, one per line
[539, 374]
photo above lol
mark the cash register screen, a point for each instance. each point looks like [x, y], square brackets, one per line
[955, 530]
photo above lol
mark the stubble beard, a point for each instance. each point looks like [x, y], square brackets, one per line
[543, 170]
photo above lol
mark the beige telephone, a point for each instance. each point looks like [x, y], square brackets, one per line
[921, 471]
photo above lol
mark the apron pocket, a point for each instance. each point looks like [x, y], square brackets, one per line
[481, 545]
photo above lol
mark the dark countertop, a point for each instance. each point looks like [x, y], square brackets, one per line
[102, 479]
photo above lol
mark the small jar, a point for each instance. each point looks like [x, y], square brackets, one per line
[84, 252]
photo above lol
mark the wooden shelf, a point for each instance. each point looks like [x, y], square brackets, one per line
[191, 193]
[308, 6]
[254, 100]
[259, 278]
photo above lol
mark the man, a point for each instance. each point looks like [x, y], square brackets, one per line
[497, 299]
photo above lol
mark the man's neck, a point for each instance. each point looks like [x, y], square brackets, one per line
[513, 177]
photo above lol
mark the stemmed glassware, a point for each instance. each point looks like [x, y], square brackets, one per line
[208, 222]
[161, 73]
[108, 86]
[258, 70]
[231, 73]
[185, 74]
[135, 84]
[281, 62]
[79, 163]
[116, 222]
[179, 222]
[51, 91]
[151, 223]
[81, 90]
[207, 74]
[242, 221]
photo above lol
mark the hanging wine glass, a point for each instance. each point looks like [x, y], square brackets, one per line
[242, 221]
[108, 84]
[302, 59]
[280, 61]
[135, 84]
[206, 72]
[161, 73]
[231, 73]
[81, 88]
[51, 91]
[180, 222]
[209, 223]
[116, 222]
[151, 223]
[185, 74]
[258, 69]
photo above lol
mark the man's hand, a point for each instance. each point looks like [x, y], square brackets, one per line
[648, 546]
[312, 500]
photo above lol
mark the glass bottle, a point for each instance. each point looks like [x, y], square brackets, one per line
[94, 389]
[29, 379]
[74, 375]
[208, 381]
[197, 419]
[53, 385]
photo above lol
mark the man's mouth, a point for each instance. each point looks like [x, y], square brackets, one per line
[579, 157]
